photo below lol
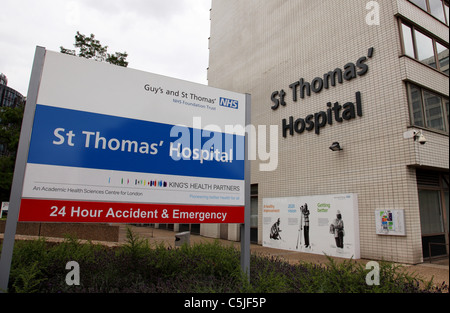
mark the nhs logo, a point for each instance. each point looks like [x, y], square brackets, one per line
[229, 103]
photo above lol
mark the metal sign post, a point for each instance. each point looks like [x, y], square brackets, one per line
[245, 228]
[19, 172]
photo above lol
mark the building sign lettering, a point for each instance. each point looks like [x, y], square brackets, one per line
[334, 111]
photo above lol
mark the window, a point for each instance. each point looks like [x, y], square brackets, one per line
[424, 48]
[437, 8]
[447, 109]
[416, 104]
[428, 109]
[254, 206]
[442, 54]
[425, 51]
[408, 40]
[433, 111]
[421, 4]
[446, 10]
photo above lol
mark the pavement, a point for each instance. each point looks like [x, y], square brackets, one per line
[438, 269]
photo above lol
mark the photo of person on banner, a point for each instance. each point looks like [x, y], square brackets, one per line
[275, 231]
[337, 229]
[304, 225]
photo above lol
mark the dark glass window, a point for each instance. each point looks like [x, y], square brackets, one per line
[433, 110]
[415, 96]
[442, 54]
[254, 213]
[428, 109]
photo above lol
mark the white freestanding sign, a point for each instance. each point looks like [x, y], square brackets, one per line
[112, 144]
[102, 143]
[323, 224]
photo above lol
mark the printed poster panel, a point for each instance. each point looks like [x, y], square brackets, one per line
[390, 222]
[324, 224]
[113, 144]
[4, 209]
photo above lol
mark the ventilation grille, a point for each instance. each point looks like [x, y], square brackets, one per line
[427, 179]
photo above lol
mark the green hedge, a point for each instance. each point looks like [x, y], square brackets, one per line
[40, 266]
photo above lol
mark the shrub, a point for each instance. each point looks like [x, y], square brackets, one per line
[27, 279]
[39, 266]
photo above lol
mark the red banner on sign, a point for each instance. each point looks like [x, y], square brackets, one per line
[37, 210]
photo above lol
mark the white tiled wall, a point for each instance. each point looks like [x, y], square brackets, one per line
[258, 47]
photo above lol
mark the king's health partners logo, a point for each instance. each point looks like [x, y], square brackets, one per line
[229, 103]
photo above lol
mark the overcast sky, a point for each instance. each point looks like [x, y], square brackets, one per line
[167, 37]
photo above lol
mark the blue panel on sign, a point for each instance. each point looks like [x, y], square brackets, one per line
[73, 138]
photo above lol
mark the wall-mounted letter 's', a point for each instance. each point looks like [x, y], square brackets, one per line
[274, 99]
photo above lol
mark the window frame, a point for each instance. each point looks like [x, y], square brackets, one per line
[429, 118]
[254, 229]
[443, 108]
[410, 34]
[414, 28]
[428, 10]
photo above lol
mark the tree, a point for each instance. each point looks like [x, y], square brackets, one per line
[90, 48]
[10, 125]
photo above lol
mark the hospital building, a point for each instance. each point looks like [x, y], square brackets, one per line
[359, 94]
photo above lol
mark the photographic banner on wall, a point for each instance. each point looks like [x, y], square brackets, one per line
[321, 224]
[117, 145]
